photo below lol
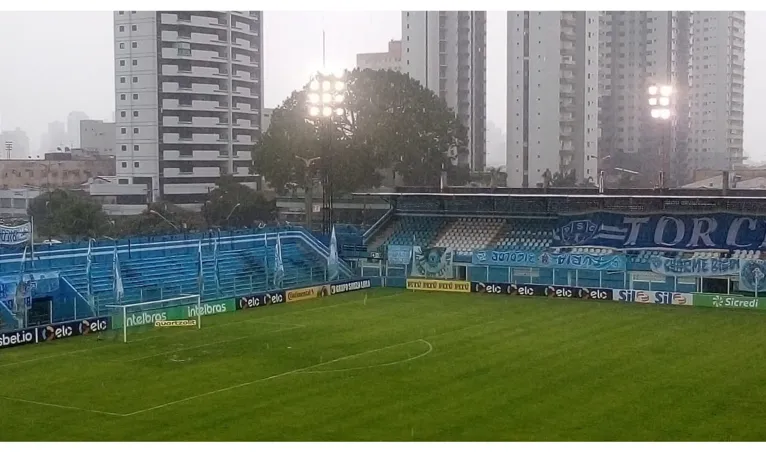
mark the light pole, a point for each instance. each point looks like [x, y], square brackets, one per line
[154, 212]
[308, 189]
[230, 213]
[661, 110]
[326, 101]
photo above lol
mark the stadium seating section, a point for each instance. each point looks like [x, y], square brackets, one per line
[241, 272]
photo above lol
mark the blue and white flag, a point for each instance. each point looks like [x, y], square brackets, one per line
[332, 258]
[279, 266]
[215, 266]
[89, 268]
[119, 290]
[200, 275]
[20, 294]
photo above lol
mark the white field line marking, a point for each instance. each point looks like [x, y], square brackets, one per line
[304, 369]
[256, 320]
[225, 341]
[66, 407]
[375, 366]
[272, 377]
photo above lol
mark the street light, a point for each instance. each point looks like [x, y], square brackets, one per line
[326, 103]
[661, 110]
[232, 211]
[154, 212]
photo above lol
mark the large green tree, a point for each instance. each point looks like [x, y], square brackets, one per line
[391, 123]
[232, 204]
[68, 215]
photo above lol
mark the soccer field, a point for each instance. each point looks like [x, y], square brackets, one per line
[403, 366]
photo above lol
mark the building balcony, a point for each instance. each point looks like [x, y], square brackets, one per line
[568, 18]
[568, 34]
[566, 117]
[568, 62]
[565, 131]
[195, 171]
[186, 189]
[194, 122]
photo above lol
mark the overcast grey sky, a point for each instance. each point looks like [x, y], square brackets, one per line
[69, 66]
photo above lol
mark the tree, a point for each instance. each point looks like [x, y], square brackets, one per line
[168, 219]
[232, 204]
[391, 122]
[67, 214]
[568, 179]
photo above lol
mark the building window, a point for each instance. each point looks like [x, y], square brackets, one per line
[123, 114]
[123, 130]
[135, 164]
[122, 97]
[135, 129]
[124, 164]
[134, 45]
[122, 79]
[124, 147]
[184, 48]
[122, 45]
[122, 63]
[134, 27]
[135, 97]
[122, 182]
[135, 114]
[135, 79]
[135, 148]
[135, 62]
[122, 28]
[123, 12]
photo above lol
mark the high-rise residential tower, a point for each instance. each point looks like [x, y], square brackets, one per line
[716, 94]
[552, 119]
[189, 93]
[446, 51]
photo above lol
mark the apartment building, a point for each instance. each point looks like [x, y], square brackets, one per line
[390, 60]
[552, 119]
[446, 51]
[716, 94]
[189, 93]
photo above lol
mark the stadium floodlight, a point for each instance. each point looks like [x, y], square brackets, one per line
[185, 310]
[660, 100]
[326, 95]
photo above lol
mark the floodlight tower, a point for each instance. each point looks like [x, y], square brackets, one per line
[661, 110]
[326, 107]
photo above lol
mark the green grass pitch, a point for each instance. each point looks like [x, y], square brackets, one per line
[403, 366]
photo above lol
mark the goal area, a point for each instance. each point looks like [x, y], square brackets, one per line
[131, 318]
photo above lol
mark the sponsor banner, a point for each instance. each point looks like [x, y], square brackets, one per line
[14, 235]
[540, 290]
[64, 330]
[399, 254]
[658, 231]
[152, 316]
[261, 299]
[752, 276]
[439, 285]
[191, 322]
[351, 286]
[694, 267]
[17, 338]
[433, 262]
[566, 261]
[307, 293]
[709, 300]
[655, 297]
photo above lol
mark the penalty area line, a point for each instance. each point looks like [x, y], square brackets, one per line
[272, 377]
[55, 405]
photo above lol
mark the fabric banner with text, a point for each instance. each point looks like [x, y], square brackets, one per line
[567, 261]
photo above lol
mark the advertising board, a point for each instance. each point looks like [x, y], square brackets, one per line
[710, 300]
[540, 290]
[306, 293]
[350, 286]
[152, 316]
[54, 332]
[261, 299]
[654, 297]
[439, 285]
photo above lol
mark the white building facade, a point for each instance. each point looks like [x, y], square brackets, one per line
[189, 90]
[97, 137]
[390, 60]
[552, 103]
[717, 90]
[446, 51]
